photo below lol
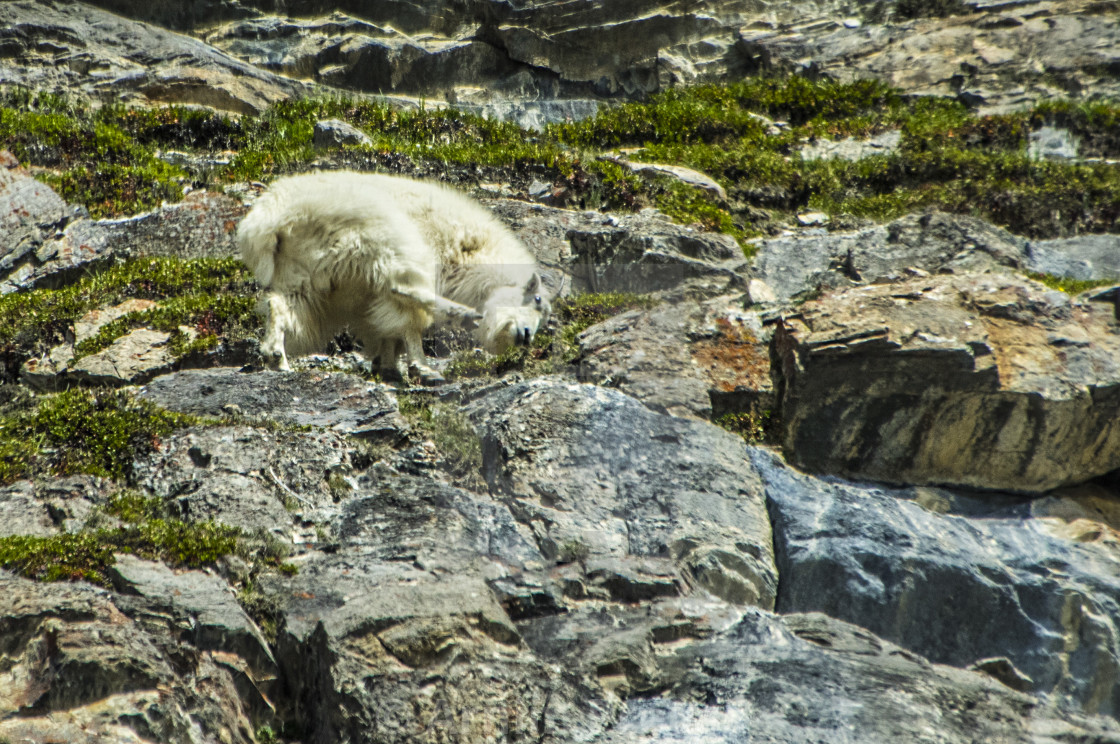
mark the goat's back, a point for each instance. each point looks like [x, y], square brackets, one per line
[322, 229]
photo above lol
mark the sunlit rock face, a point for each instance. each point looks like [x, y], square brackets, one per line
[637, 488]
[984, 381]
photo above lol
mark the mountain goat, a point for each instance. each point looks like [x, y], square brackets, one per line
[385, 256]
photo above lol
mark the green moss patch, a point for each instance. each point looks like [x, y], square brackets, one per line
[949, 158]
[80, 431]
[94, 161]
[215, 297]
[1071, 286]
[754, 427]
[142, 532]
[142, 529]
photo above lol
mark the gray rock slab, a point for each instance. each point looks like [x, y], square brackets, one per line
[336, 133]
[985, 381]
[48, 372]
[924, 56]
[89, 324]
[100, 54]
[851, 148]
[406, 548]
[810, 678]
[343, 403]
[398, 626]
[592, 467]
[492, 50]
[679, 173]
[687, 358]
[202, 225]
[135, 358]
[51, 505]
[247, 477]
[83, 248]
[587, 251]
[21, 513]
[357, 54]
[796, 266]
[30, 214]
[693, 671]
[953, 589]
[645, 253]
[217, 621]
[1085, 257]
[1052, 143]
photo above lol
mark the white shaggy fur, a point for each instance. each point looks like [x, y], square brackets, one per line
[384, 256]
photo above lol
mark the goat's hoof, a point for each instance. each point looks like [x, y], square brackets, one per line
[275, 360]
[425, 375]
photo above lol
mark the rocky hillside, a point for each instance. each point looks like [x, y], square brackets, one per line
[821, 444]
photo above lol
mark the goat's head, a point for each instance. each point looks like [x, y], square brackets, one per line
[506, 323]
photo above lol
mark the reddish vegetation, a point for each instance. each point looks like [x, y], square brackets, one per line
[734, 358]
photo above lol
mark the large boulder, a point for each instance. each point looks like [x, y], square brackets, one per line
[527, 51]
[248, 477]
[589, 251]
[991, 55]
[358, 55]
[910, 566]
[646, 253]
[798, 266]
[396, 634]
[810, 678]
[202, 225]
[597, 474]
[343, 403]
[985, 381]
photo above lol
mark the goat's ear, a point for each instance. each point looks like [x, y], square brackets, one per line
[534, 284]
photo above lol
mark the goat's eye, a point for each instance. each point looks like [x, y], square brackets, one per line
[537, 299]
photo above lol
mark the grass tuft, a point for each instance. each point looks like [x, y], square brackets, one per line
[454, 437]
[1071, 286]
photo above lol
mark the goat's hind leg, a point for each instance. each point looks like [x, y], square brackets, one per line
[390, 327]
[383, 353]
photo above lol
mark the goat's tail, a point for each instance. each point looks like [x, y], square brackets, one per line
[258, 235]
